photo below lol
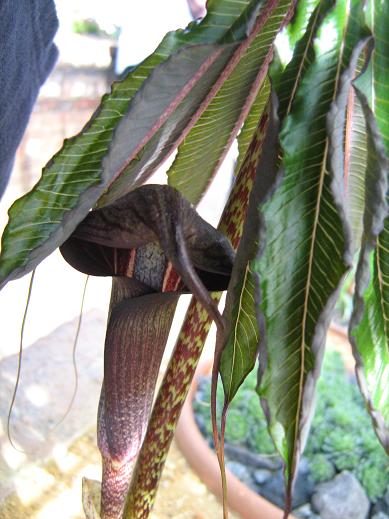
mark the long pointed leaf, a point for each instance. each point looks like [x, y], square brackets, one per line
[369, 330]
[42, 220]
[298, 26]
[219, 124]
[355, 166]
[305, 238]
[180, 371]
[79, 174]
[241, 348]
[170, 135]
[240, 351]
[304, 54]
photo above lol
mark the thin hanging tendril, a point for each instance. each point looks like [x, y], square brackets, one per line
[75, 371]
[19, 365]
[219, 440]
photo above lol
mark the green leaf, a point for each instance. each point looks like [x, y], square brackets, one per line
[242, 338]
[186, 114]
[374, 83]
[355, 166]
[355, 155]
[246, 134]
[219, 124]
[158, 115]
[242, 345]
[369, 329]
[185, 64]
[240, 351]
[304, 242]
[303, 55]
[297, 28]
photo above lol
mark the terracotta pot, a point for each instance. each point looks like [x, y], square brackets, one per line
[241, 499]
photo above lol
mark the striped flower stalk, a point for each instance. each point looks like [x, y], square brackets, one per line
[182, 366]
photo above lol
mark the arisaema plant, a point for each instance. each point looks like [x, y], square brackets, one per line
[304, 88]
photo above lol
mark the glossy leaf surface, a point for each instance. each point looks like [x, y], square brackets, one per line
[368, 319]
[303, 55]
[369, 328]
[304, 236]
[242, 345]
[219, 124]
[186, 62]
[241, 17]
[355, 166]
[297, 27]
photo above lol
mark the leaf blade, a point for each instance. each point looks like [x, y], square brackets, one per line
[178, 376]
[307, 248]
[241, 343]
[356, 152]
[369, 331]
[229, 369]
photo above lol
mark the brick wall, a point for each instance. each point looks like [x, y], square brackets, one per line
[65, 104]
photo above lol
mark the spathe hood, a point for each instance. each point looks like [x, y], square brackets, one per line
[149, 223]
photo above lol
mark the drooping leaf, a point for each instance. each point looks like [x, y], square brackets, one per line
[304, 54]
[218, 126]
[369, 330]
[236, 339]
[374, 81]
[240, 351]
[71, 184]
[247, 132]
[355, 166]
[175, 130]
[355, 156]
[304, 235]
[239, 355]
[186, 63]
[367, 325]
